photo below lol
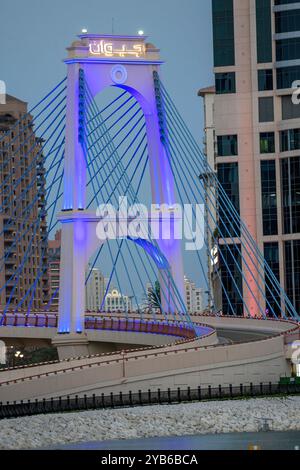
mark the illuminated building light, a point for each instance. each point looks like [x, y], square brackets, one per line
[111, 49]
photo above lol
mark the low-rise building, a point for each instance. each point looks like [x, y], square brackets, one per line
[115, 302]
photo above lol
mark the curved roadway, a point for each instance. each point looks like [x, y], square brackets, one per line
[169, 366]
[238, 336]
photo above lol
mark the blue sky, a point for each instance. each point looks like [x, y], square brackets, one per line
[35, 33]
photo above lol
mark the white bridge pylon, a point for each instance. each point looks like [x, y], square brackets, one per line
[127, 62]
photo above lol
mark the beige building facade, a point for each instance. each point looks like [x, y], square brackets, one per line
[194, 297]
[253, 138]
[117, 302]
[54, 247]
[94, 291]
[23, 206]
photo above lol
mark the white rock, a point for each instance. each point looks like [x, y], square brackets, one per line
[184, 419]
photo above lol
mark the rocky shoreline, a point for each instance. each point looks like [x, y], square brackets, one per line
[172, 420]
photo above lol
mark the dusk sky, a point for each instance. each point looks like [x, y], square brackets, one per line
[35, 33]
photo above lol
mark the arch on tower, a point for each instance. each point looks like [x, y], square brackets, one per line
[129, 63]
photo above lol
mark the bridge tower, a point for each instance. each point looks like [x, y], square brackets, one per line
[128, 62]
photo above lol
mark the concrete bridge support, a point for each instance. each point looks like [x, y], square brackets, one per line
[135, 75]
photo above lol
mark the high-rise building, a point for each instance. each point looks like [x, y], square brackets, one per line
[256, 133]
[54, 247]
[194, 297]
[23, 227]
[95, 291]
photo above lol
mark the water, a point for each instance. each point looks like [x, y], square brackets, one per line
[242, 441]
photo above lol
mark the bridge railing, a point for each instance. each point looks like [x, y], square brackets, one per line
[169, 328]
[38, 320]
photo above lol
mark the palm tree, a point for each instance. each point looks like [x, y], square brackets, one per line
[154, 297]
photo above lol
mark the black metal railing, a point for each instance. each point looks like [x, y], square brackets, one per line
[144, 398]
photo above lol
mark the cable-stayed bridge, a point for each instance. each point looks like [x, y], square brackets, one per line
[132, 146]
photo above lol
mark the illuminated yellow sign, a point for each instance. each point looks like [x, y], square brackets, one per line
[109, 49]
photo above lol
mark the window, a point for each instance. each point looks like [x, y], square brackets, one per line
[263, 31]
[223, 32]
[288, 49]
[266, 109]
[232, 288]
[287, 21]
[290, 140]
[267, 142]
[265, 80]
[284, 2]
[228, 175]
[292, 271]
[290, 183]
[227, 145]
[225, 83]
[269, 198]
[271, 254]
[286, 76]
[289, 109]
